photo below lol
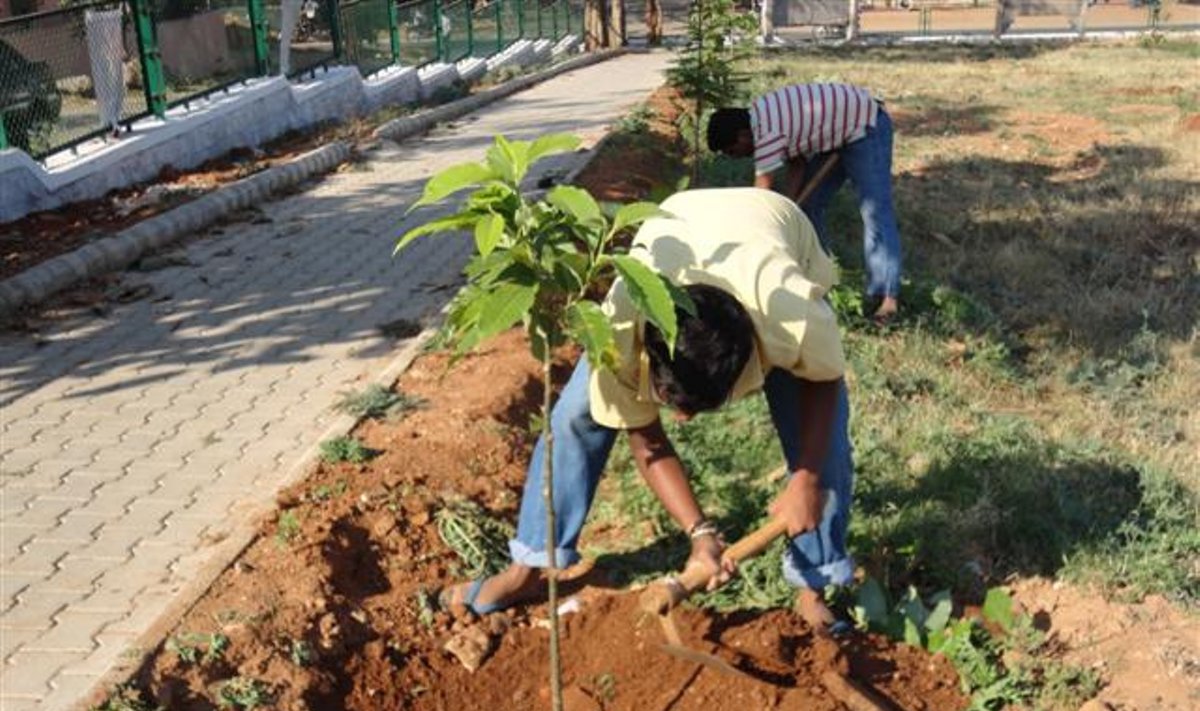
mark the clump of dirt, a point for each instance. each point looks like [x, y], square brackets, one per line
[1191, 124]
[633, 163]
[327, 608]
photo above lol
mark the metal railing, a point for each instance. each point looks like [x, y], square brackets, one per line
[76, 74]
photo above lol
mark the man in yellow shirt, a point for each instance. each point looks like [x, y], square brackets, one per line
[755, 269]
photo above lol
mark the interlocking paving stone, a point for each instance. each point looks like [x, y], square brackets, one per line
[144, 435]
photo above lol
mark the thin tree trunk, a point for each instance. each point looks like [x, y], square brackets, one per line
[766, 21]
[616, 23]
[595, 29]
[653, 22]
[556, 699]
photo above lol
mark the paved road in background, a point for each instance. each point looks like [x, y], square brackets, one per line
[131, 443]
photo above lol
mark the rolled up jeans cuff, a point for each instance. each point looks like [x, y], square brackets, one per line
[524, 555]
[838, 572]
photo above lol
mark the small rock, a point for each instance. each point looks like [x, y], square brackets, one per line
[470, 647]
[497, 625]
[382, 526]
[575, 699]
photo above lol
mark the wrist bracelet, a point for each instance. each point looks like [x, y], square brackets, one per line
[703, 527]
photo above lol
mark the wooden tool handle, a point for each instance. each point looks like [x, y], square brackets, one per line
[817, 179]
[748, 546]
[854, 695]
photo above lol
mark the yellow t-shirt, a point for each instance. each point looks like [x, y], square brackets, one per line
[757, 246]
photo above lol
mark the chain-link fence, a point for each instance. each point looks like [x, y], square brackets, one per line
[74, 74]
[67, 74]
[309, 34]
[458, 30]
[367, 27]
[419, 41]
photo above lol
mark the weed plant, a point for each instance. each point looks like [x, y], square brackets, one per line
[377, 402]
[480, 541]
[242, 692]
[345, 449]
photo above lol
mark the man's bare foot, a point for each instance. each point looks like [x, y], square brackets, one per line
[887, 311]
[514, 585]
[811, 605]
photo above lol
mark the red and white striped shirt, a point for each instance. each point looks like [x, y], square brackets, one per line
[806, 120]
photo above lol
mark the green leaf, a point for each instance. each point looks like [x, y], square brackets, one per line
[509, 159]
[912, 608]
[998, 608]
[505, 305]
[650, 295]
[591, 328]
[912, 633]
[568, 270]
[935, 641]
[488, 231]
[942, 607]
[635, 214]
[873, 600]
[451, 180]
[576, 202]
[449, 223]
[551, 144]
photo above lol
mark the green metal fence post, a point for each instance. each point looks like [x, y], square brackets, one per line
[470, 28]
[439, 42]
[554, 17]
[567, 19]
[153, 85]
[520, 17]
[3, 133]
[259, 30]
[499, 24]
[538, 5]
[394, 30]
[335, 29]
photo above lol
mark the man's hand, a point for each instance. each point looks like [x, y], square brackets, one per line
[706, 554]
[801, 504]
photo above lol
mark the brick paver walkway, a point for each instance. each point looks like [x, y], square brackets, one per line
[131, 442]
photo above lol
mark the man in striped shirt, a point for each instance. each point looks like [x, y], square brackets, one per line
[791, 132]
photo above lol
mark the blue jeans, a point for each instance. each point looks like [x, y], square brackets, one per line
[867, 164]
[581, 448]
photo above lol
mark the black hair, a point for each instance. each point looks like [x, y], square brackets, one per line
[723, 127]
[711, 351]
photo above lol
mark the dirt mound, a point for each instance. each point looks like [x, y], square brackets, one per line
[613, 659]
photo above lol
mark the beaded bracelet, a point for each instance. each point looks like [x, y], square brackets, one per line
[703, 527]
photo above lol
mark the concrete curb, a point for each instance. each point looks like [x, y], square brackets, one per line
[142, 649]
[123, 249]
[119, 251]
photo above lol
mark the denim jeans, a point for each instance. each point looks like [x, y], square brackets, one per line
[867, 164]
[581, 449]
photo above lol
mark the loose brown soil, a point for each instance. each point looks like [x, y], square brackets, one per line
[348, 585]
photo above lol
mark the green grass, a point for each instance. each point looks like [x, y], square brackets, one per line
[1032, 413]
